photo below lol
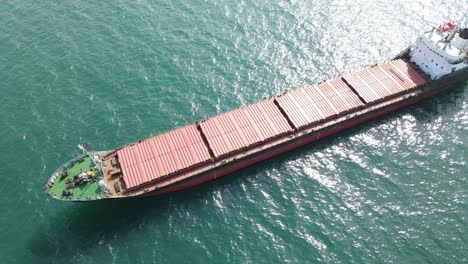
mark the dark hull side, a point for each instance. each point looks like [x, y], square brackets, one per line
[429, 90]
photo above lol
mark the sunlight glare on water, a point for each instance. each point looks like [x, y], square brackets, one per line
[390, 191]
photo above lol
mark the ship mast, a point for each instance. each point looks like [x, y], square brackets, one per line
[457, 26]
[83, 148]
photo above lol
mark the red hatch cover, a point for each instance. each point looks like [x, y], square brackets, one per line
[384, 80]
[161, 155]
[314, 103]
[241, 128]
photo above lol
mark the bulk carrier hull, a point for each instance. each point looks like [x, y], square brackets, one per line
[212, 148]
[299, 140]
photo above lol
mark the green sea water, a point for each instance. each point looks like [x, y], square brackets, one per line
[107, 73]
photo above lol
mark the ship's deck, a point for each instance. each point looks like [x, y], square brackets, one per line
[112, 176]
[87, 191]
[203, 143]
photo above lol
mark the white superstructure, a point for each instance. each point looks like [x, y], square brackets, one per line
[441, 51]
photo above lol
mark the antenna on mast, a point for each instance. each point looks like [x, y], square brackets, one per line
[453, 27]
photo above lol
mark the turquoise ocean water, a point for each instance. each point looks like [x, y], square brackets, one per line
[107, 73]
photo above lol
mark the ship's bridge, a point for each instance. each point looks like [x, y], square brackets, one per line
[441, 51]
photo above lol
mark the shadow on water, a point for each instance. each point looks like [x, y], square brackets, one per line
[445, 102]
[78, 228]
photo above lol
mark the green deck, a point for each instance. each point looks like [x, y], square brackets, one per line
[86, 191]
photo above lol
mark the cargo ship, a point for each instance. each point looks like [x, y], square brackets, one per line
[219, 145]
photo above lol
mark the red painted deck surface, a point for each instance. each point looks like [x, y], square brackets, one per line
[233, 131]
[311, 104]
[384, 80]
[243, 127]
[161, 155]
